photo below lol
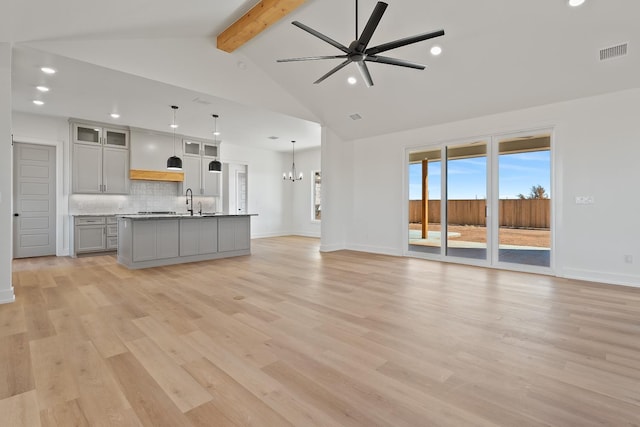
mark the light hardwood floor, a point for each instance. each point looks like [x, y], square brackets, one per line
[292, 337]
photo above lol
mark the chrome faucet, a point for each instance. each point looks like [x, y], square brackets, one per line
[199, 208]
[189, 194]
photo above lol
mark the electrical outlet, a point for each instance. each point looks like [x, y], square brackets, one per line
[628, 259]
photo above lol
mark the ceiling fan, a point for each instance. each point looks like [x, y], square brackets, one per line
[359, 53]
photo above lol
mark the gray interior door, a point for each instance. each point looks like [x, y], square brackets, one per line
[34, 200]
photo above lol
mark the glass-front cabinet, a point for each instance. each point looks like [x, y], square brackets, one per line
[87, 134]
[200, 148]
[197, 155]
[100, 159]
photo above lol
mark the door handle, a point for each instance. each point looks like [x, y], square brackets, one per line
[16, 214]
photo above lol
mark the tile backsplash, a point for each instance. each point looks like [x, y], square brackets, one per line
[144, 196]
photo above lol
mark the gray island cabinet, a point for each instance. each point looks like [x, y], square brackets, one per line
[156, 240]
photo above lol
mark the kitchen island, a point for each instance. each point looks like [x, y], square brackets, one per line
[156, 240]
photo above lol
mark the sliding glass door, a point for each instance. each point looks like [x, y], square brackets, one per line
[425, 188]
[466, 211]
[483, 202]
[524, 204]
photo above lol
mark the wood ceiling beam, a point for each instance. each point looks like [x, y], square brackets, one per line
[260, 17]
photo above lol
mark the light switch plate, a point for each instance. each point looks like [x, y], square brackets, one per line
[585, 200]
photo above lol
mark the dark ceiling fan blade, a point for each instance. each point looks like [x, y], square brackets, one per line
[364, 70]
[333, 71]
[403, 42]
[311, 58]
[394, 61]
[371, 26]
[321, 36]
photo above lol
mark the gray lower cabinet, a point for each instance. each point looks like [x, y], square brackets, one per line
[144, 240]
[90, 238]
[94, 234]
[198, 236]
[167, 238]
[112, 233]
[233, 234]
[155, 239]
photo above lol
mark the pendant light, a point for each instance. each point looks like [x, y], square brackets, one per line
[293, 175]
[215, 166]
[174, 162]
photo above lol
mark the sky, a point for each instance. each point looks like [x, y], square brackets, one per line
[468, 177]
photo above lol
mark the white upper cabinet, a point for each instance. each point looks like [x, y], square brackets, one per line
[191, 166]
[88, 134]
[191, 148]
[197, 155]
[100, 160]
[210, 150]
[115, 171]
[87, 169]
[115, 138]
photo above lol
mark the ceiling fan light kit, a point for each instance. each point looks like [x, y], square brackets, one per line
[359, 52]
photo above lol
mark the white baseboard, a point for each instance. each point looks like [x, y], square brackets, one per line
[332, 248]
[375, 250]
[7, 296]
[285, 233]
[306, 234]
[601, 277]
[266, 235]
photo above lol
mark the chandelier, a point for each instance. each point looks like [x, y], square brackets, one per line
[292, 175]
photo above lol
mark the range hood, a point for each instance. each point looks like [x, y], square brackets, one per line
[153, 175]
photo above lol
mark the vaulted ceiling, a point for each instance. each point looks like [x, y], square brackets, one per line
[498, 55]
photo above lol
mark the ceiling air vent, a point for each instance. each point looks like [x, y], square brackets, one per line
[201, 101]
[613, 51]
[355, 116]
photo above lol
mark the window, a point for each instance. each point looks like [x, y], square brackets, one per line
[316, 198]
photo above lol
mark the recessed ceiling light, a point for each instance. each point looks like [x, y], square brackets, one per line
[173, 126]
[436, 50]
[575, 3]
[42, 88]
[115, 115]
[48, 70]
[38, 102]
[352, 80]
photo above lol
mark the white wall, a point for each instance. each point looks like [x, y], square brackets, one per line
[265, 189]
[307, 161]
[337, 191]
[6, 163]
[596, 150]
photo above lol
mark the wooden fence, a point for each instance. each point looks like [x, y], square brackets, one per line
[516, 213]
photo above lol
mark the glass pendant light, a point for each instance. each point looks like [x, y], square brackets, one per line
[174, 162]
[215, 166]
[293, 175]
